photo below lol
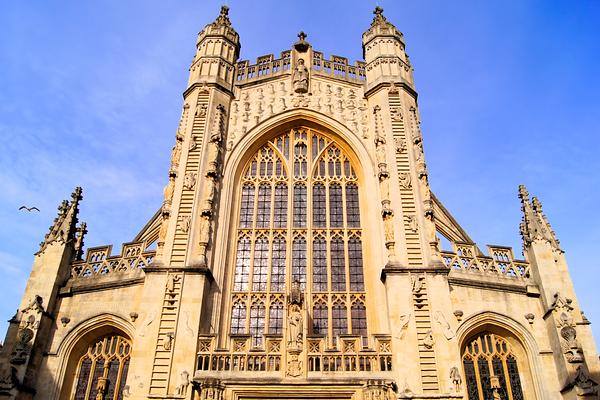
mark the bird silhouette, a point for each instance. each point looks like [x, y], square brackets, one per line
[30, 209]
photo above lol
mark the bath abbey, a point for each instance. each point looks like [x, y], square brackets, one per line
[296, 255]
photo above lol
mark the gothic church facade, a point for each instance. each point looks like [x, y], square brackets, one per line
[296, 255]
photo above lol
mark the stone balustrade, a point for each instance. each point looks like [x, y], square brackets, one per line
[500, 262]
[99, 261]
[349, 356]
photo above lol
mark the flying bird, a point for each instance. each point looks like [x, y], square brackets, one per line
[30, 209]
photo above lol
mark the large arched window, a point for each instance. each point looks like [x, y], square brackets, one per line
[299, 220]
[102, 369]
[491, 369]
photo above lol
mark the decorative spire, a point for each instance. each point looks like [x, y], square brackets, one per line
[223, 18]
[534, 225]
[64, 227]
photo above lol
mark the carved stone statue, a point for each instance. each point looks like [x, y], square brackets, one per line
[184, 382]
[295, 327]
[300, 77]
[168, 191]
[455, 379]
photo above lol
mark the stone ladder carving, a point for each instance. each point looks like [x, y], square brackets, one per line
[180, 242]
[427, 360]
[167, 329]
[413, 243]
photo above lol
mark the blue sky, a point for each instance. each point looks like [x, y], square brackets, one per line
[90, 95]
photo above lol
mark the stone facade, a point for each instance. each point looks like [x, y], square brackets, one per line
[296, 256]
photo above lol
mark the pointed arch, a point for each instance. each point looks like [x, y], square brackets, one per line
[278, 132]
[76, 343]
[525, 349]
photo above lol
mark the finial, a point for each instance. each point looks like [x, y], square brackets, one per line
[537, 205]
[378, 12]
[302, 45]
[223, 18]
[224, 11]
[523, 193]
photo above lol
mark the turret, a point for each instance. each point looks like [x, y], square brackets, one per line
[29, 329]
[217, 50]
[570, 337]
[384, 53]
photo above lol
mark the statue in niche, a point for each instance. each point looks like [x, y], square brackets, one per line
[428, 340]
[215, 141]
[404, 180]
[168, 191]
[300, 77]
[295, 327]
[176, 153]
[164, 225]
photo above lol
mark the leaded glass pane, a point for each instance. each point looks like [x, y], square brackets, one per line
[257, 324]
[259, 273]
[98, 373]
[471, 379]
[281, 206]
[83, 380]
[336, 207]
[484, 375]
[238, 319]
[359, 319]
[276, 319]
[263, 210]
[320, 265]
[278, 265]
[299, 206]
[355, 259]
[242, 266]
[513, 377]
[247, 206]
[123, 382]
[498, 369]
[113, 373]
[352, 210]
[339, 320]
[319, 206]
[320, 319]
[338, 266]
[299, 261]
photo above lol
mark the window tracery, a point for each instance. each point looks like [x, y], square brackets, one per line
[102, 370]
[299, 220]
[491, 369]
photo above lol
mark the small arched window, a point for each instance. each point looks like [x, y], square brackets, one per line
[491, 369]
[102, 370]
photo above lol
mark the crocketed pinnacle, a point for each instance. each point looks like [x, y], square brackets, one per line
[534, 224]
[64, 228]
